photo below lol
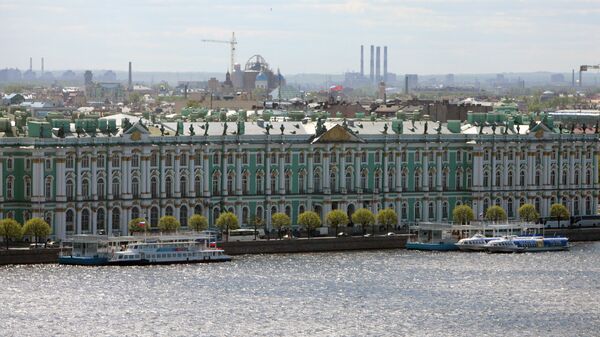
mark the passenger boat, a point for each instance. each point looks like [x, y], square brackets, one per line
[154, 251]
[476, 243]
[86, 250]
[512, 244]
[431, 237]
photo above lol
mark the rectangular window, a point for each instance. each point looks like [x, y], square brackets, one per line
[183, 160]
[230, 159]
[377, 156]
[417, 156]
[48, 164]
[245, 158]
[288, 158]
[216, 158]
[301, 157]
[333, 157]
[116, 160]
[363, 157]
[259, 158]
[317, 158]
[100, 161]
[273, 158]
[28, 164]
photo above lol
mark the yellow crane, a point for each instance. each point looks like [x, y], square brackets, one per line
[232, 44]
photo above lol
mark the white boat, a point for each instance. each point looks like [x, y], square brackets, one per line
[476, 243]
[512, 244]
[168, 251]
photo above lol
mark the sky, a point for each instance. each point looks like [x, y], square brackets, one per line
[302, 36]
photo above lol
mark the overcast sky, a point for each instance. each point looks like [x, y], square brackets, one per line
[302, 36]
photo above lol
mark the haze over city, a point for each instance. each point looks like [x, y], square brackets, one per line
[426, 37]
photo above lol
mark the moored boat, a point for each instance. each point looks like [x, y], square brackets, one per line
[512, 244]
[86, 250]
[476, 243]
[431, 237]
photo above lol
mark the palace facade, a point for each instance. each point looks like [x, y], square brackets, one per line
[96, 183]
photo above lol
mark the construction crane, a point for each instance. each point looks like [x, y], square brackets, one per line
[232, 44]
[586, 68]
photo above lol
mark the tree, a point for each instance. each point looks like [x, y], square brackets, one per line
[168, 223]
[528, 213]
[37, 227]
[310, 221]
[280, 221]
[137, 225]
[198, 222]
[560, 212]
[463, 214]
[10, 229]
[364, 217]
[387, 217]
[227, 221]
[495, 213]
[337, 218]
[256, 221]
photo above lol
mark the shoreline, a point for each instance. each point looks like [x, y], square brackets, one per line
[286, 246]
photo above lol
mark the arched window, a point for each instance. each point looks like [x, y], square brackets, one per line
[404, 211]
[588, 205]
[259, 213]
[417, 210]
[538, 178]
[459, 180]
[135, 187]
[486, 204]
[301, 182]
[553, 178]
[183, 216]
[486, 179]
[431, 211]
[509, 208]
[101, 220]
[445, 210]
[522, 178]
[116, 219]
[70, 190]
[300, 209]
[349, 186]
[498, 178]
[287, 182]
[377, 180]
[216, 212]
[10, 187]
[245, 215]
[85, 221]
[588, 177]
[565, 177]
[444, 179]
[259, 184]
[48, 188]
[154, 215]
[537, 204]
[510, 178]
[244, 184]
[85, 189]
[230, 188]
[116, 188]
[575, 206]
[198, 209]
[390, 177]
[417, 186]
[169, 187]
[135, 160]
[135, 212]
[333, 181]
[183, 187]
[273, 183]
[576, 182]
[403, 181]
[288, 211]
[154, 187]
[100, 189]
[431, 179]
[70, 221]
[169, 211]
[216, 184]
[198, 185]
[363, 179]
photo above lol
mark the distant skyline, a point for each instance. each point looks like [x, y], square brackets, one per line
[303, 36]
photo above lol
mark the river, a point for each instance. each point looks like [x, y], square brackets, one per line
[371, 293]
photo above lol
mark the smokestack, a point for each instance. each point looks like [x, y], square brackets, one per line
[372, 73]
[573, 78]
[30, 63]
[129, 86]
[362, 60]
[385, 64]
[42, 66]
[378, 64]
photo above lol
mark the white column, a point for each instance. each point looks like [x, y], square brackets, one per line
[357, 169]
[425, 177]
[310, 172]
[177, 176]
[192, 174]
[399, 172]
[281, 172]
[162, 177]
[205, 173]
[438, 168]
[267, 158]
[326, 177]
[384, 174]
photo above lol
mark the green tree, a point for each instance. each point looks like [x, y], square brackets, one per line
[227, 221]
[137, 225]
[528, 213]
[495, 213]
[37, 227]
[387, 217]
[10, 229]
[337, 218]
[256, 221]
[280, 221]
[364, 217]
[560, 212]
[463, 214]
[198, 222]
[310, 221]
[168, 223]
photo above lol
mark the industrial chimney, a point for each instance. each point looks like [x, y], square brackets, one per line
[30, 63]
[372, 73]
[129, 83]
[378, 64]
[385, 73]
[42, 66]
[362, 61]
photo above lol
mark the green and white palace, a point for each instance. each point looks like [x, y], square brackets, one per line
[96, 179]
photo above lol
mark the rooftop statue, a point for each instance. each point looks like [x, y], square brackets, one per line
[225, 129]
[206, 125]
[282, 128]
[192, 133]
[425, 127]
